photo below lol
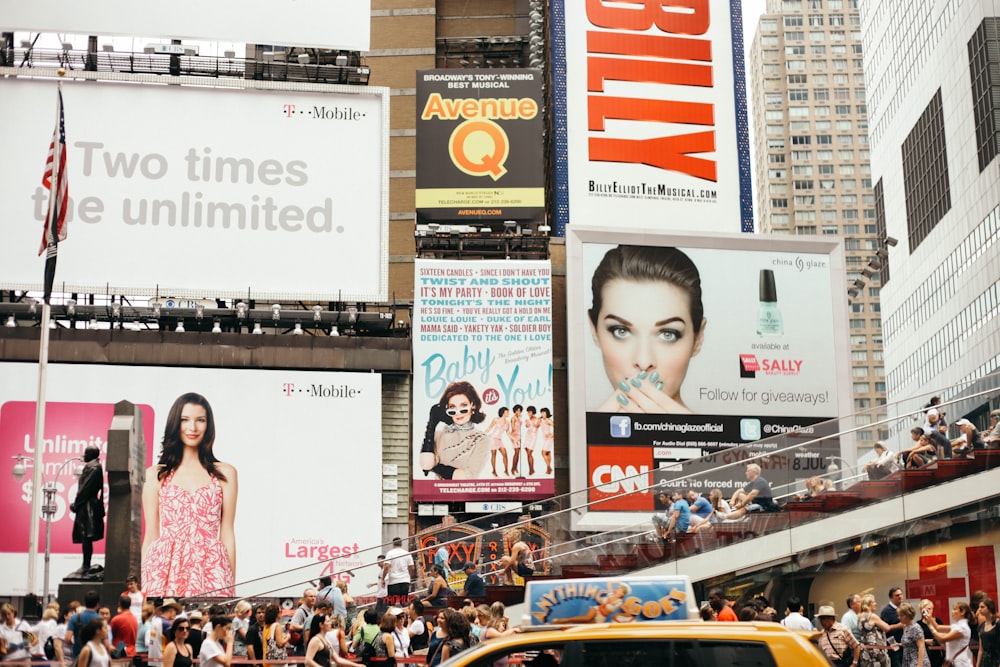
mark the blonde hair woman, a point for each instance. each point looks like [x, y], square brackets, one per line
[872, 630]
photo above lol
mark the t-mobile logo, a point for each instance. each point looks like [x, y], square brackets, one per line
[621, 426]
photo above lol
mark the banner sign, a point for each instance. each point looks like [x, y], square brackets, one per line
[482, 380]
[345, 24]
[654, 103]
[169, 197]
[282, 432]
[479, 145]
[692, 346]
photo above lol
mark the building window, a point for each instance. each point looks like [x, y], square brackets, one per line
[861, 387]
[984, 66]
[925, 173]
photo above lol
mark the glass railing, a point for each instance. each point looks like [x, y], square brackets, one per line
[814, 473]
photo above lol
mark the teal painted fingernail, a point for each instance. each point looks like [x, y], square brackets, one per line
[621, 399]
[654, 376]
[642, 375]
[637, 382]
[624, 386]
[659, 386]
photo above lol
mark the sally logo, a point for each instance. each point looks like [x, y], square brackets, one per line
[479, 147]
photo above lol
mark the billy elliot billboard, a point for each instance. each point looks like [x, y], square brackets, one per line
[654, 103]
[168, 196]
[690, 346]
[479, 145]
[269, 436]
[483, 427]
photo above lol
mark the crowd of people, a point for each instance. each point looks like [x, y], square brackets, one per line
[897, 635]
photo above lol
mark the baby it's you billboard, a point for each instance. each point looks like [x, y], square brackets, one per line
[482, 369]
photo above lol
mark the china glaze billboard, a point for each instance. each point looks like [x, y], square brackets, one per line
[691, 345]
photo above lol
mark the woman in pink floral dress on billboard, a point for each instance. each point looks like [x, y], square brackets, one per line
[189, 503]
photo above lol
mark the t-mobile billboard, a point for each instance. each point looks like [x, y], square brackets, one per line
[277, 435]
[193, 191]
[692, 345]
[344, 24]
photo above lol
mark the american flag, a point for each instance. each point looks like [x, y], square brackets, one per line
[55, 181]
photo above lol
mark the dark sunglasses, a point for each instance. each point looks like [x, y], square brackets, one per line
[455, 411]
[182, 628]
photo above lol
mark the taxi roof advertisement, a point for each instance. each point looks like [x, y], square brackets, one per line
[656, 121]
[250, 192]
[479, 145]
[691, 346]
[610, 600]
[482, 380]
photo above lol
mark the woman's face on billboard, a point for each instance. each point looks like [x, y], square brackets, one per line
[193, 423]
[460, 409]
[646, 327]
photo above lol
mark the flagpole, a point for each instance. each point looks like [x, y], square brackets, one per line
[43, 363]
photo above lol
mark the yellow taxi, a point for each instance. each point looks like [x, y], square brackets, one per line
[647, 644]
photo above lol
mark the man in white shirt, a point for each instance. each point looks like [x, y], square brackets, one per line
[882, 465]
[794, 620]
[212, 653]
[401, 572]
[160, 626]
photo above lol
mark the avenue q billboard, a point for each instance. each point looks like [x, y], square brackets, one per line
[268, 430]
[479, 145]
[344, 24]
[188, 190]
[655, 109]
[483, 426]
[690, 346]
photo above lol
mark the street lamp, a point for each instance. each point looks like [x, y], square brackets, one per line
[49, 490]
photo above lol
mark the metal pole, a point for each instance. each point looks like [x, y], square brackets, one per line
[43, 362]
[38, 464]
[50, 492]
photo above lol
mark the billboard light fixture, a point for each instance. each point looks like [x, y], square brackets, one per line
[890, 241]
[180, 325]
[217, 326]
[256, 328]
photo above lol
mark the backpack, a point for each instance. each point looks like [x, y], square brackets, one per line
[297, 638]
[50, 648]
[366, 650]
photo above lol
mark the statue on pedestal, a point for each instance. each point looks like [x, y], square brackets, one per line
[88, 525]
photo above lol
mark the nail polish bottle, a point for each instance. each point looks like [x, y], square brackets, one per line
[769, 321]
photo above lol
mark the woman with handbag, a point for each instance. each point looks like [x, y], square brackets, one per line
[955, 637]
[872, 629]
[273, 637]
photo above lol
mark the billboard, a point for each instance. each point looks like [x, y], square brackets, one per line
[282, 432]
[344, 24]
[654, 104]
[192, 191]
[479, 145]
[660, 381]
[483, 426]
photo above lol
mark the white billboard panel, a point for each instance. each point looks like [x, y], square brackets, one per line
[284, 432]
[185, 190]
[658, 382]
[344, 24]
[656, 116]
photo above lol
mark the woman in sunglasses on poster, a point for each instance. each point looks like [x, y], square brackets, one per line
[648, 321]
[453, 447]
[189, 503]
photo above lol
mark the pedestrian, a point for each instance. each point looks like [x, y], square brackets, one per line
[837, 642]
